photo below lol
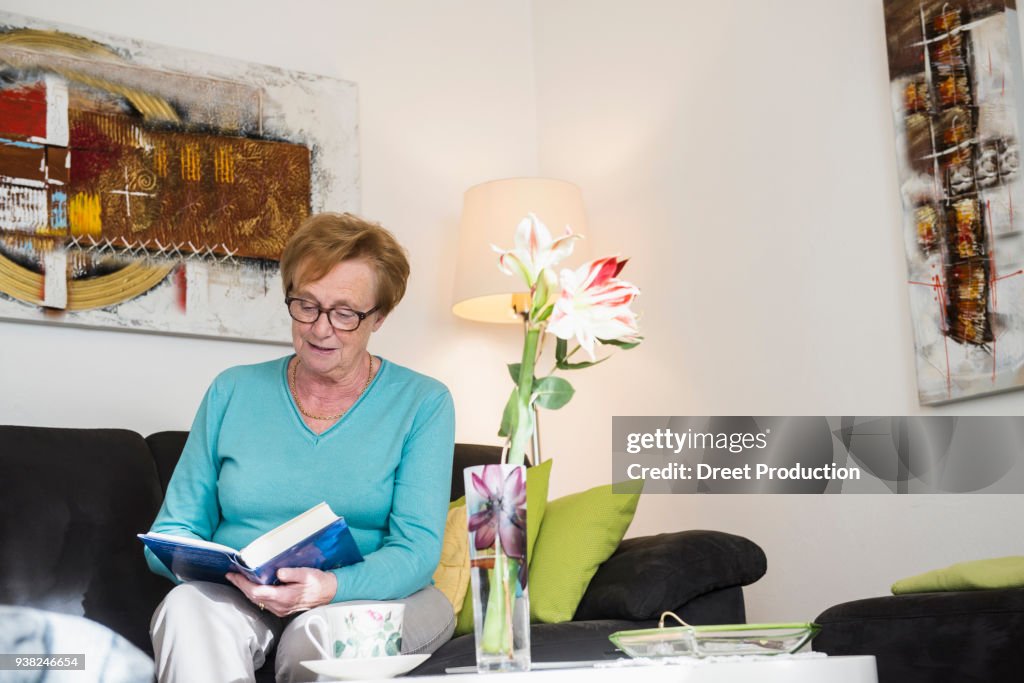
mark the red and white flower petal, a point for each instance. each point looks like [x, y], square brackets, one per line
[594, 304]
[534, 250]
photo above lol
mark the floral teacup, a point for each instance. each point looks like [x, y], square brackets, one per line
[358, 631]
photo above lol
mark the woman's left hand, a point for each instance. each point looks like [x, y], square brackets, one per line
[300, 589]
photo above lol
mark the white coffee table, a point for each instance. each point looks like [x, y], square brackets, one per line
[795, 669]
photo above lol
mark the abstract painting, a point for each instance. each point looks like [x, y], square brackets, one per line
[153, 189]
[956, 93]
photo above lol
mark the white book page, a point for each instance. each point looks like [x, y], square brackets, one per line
[288, 534]
[195, 542]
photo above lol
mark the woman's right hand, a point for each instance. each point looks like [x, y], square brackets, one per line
[301, 589]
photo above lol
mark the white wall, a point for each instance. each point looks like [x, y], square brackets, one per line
[742, 153]
[446, 101]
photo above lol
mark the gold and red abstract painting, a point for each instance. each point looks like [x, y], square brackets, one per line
[154, 189]
[956, 93]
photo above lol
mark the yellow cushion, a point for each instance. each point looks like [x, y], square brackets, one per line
[452, 574]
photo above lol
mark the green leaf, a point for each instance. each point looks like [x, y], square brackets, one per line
[394, 644]
[579, 366]
[509, 417]
[552, 392]
[561, 348]
[544, 313]
[621, 344]
[541, 294]
[514, 369]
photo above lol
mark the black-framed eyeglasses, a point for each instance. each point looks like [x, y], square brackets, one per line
[308, 312]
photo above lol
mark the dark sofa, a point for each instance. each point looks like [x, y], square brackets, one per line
[72, 500]
[961, 636]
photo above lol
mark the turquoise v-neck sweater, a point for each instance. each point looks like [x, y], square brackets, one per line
[251, 463]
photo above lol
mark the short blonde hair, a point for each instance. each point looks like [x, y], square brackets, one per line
[326, 239]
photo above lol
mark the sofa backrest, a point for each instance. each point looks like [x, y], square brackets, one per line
[166, 447]
[71, 502]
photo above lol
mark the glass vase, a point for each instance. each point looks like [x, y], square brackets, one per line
[496, 508]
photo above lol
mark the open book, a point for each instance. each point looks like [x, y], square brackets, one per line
[317, 538]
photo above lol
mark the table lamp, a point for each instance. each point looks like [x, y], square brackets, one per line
[490, 213]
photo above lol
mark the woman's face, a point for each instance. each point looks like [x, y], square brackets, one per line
[323, 349]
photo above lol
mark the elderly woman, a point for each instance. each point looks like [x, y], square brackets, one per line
[330, 423]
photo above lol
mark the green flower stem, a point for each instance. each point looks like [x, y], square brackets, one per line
[554, 368]
[497, 635]
[524, 425]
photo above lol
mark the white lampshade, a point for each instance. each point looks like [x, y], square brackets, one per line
[490, 213]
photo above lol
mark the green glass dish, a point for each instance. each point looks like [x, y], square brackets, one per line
[723, 640]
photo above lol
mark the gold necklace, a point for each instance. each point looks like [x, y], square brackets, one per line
[324, 418]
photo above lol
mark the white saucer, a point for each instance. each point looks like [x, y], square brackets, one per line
[365, 668]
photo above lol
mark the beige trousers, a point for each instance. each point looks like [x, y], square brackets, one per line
[210, 632]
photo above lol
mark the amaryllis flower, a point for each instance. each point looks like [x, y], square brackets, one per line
[534, 250]
[594, 304]
[503, 513]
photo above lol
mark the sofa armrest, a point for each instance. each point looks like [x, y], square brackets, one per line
[648, 575]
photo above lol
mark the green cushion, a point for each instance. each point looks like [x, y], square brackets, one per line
[999, 572]
[579, 533]
[537, 479]
[536, 502]
[464, 619]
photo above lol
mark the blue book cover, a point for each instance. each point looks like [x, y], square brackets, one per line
[289, 545]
